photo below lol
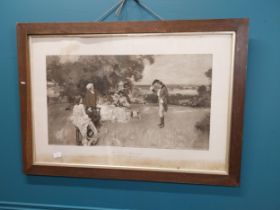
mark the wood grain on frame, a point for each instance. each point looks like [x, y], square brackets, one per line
[239, 26]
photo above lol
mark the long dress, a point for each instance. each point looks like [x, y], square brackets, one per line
[80, 119]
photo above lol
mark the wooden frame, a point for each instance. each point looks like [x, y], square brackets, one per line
[239, 26]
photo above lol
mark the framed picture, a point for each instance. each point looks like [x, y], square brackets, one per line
[154, 101]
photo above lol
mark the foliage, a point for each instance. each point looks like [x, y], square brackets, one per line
[182, 100]
[208, 73]
[151, 98]
[72, 73]
[204, 124]
[205, 97]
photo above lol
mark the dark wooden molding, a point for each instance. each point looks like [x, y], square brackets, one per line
[239, 26]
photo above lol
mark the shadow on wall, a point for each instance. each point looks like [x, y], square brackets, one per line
[159, 187]
[135, 186]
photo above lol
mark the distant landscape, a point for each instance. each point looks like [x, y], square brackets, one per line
[181, 95]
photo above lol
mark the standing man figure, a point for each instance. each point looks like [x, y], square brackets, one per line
[161, 90]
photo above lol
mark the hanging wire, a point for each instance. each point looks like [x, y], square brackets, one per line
[108, 12]
[149, 10]
[119, 7]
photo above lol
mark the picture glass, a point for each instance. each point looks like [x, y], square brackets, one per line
[134, 101]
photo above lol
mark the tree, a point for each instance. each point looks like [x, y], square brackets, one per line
[202, 90]
[72, 73]
[208, 73]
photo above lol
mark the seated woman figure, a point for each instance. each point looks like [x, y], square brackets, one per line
[83, 124]
[121, 100]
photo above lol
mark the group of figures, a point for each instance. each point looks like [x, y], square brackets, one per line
[88, 112]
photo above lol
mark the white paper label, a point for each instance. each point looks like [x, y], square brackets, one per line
[57, 155]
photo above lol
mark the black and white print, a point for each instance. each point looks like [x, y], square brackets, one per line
[143, 101]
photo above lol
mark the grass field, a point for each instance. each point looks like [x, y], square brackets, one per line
[179, 131]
